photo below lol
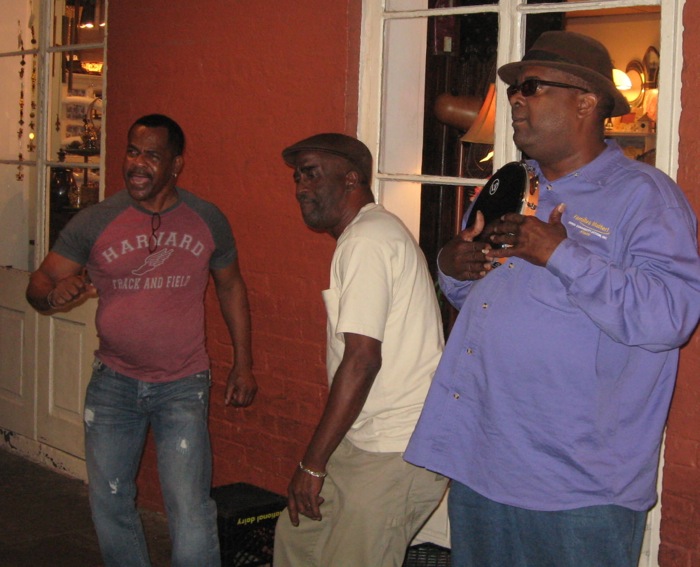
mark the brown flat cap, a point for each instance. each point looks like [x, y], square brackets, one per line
[337, 144]
[573, 53]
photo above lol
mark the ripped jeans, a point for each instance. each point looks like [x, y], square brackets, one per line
[118, 411]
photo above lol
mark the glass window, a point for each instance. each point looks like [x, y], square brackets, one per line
[52, 90]
[443, 118]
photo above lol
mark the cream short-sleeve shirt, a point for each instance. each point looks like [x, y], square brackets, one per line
[380, 287]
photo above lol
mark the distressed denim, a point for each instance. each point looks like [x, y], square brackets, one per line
[118, 411]
[485, 533]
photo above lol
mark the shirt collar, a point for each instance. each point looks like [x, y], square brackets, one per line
[597, 171]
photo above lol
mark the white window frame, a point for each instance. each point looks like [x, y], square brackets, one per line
[37, 166]
[511, 14]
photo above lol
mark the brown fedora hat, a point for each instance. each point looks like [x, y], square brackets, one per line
[573, 53]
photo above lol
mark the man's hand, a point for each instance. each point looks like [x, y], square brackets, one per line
[240, 388]
[69, 290]
[303, 496]
[527, 237]
[462, 258]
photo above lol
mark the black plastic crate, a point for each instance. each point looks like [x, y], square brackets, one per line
[246, 519]
[427, 555]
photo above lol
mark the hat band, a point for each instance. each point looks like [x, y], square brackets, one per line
[547, 56]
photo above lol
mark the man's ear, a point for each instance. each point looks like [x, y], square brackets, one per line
[178, 164]
[352, 180]
[587, 103]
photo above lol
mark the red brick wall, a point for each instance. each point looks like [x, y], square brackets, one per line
[244, 80]
[680, 514]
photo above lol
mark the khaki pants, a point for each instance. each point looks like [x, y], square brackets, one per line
[374, 505]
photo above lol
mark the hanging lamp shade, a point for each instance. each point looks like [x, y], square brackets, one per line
[482, 129]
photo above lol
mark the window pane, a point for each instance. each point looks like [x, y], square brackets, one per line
[75, 124]
[433, 213]
[632, 38]
[399, 5]
[79, 22]
[437, 117]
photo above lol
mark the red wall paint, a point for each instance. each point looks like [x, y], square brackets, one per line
[680, 500]
[245, 80]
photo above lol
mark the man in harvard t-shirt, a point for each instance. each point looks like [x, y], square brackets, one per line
[147, 253]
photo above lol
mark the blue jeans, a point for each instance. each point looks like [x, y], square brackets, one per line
[485, 533]
[118, 411]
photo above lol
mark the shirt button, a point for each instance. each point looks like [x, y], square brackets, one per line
[470, 351]
[484, 305]
[511, 265]
[455, 396]
[549, 187]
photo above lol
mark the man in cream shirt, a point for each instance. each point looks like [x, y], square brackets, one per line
[353, 500]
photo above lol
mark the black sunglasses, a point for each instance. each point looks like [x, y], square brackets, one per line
[530, 86]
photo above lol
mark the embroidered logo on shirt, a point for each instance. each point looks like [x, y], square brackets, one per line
[588, 227]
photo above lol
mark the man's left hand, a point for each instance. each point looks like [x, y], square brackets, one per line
[527, 237]
[241, 388]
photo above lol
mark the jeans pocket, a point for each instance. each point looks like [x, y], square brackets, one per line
[204, 375]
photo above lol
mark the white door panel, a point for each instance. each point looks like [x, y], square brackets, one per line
[66, 346]
[17, 359]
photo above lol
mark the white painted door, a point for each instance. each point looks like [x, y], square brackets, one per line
[45, 365]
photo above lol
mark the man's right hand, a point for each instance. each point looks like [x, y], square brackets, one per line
[71, 289]
[303, 497]
[462, 258]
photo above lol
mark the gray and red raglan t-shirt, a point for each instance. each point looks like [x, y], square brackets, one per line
[150, 314]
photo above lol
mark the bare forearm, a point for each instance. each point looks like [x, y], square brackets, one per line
[236, 312]
[38, 290]
[351, 386]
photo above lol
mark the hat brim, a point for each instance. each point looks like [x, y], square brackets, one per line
[510, 72]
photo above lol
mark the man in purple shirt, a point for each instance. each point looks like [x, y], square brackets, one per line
[548, 406]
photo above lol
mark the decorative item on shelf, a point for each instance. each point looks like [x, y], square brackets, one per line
[91, 132]
[92, 67]
[651, 66]
[87, 145]
[635, 71]
[90, 136]
[63, 189]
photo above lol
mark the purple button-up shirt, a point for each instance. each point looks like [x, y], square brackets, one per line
[555, 383]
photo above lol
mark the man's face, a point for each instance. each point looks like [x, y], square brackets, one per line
[150, 166]
[321, 189]
[544, 121]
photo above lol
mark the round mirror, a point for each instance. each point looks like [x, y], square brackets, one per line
[635, 71]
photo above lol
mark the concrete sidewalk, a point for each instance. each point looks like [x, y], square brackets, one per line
[45, 519]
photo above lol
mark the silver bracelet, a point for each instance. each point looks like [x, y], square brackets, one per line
[312, 473]
[48, 300]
